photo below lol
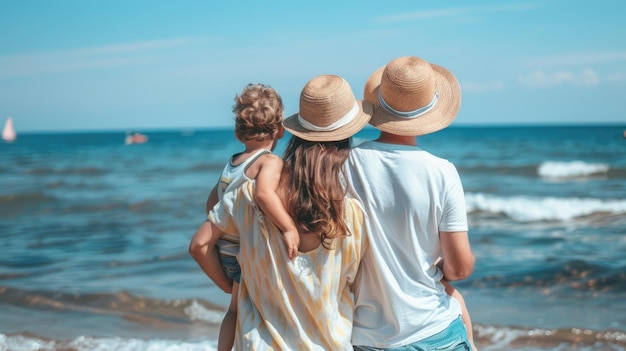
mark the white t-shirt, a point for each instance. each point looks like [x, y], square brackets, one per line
[409, 196]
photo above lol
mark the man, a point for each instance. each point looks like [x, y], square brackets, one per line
[416, 214]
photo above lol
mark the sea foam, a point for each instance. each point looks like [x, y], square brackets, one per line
[198, 312]
[574, 169]
[529, 209]
[84, 343]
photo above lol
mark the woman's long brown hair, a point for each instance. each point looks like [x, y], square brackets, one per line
[315, 194]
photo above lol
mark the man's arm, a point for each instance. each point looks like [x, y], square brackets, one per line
[458, 262]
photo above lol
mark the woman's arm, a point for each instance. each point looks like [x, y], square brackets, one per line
[212, 199]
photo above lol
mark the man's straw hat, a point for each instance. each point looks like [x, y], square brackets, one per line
[412, 97]
[328, 111]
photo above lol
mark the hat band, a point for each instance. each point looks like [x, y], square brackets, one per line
[347, 118]
[408, 114]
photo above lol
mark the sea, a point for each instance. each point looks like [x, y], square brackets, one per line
[94, 237]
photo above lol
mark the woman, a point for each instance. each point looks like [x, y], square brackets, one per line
[305, 303]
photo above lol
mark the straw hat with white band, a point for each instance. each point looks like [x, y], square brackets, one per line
[412, 97]
[328, 111]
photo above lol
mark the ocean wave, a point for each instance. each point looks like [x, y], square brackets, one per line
[141, 207]
[547, 170]
[80, 171]
[25, 199]
[501, 169]
[497, 338]
[13, 205]
[77, 186]
[487, 338]
[206, 167]
[531, 209]
[573, 169]
[123, 304]
[568, 279]
[86, 343]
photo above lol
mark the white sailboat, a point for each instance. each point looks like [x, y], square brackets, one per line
[8, 133]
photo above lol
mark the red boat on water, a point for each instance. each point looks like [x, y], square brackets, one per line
[135, 138]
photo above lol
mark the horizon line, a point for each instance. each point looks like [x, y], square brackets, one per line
[192, 130]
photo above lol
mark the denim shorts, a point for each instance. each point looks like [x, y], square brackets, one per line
[231, 267]
[453, 338]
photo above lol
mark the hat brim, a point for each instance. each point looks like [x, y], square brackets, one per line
[439, 117]
[359, 122]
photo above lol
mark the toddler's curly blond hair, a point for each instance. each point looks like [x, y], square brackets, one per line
[258, 113]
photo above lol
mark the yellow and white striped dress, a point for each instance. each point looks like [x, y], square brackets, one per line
[301, 304]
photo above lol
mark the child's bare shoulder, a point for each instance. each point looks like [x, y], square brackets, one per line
[271, 158]
[266, 163]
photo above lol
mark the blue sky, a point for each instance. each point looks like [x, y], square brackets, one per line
[117, 65]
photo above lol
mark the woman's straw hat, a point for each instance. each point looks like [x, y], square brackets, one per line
[412, 97]
[328, 111]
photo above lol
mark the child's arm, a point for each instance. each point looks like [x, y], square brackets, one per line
[266, 184]
[202, 249]
[212, 199]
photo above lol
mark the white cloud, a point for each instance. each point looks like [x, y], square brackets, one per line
[458, 11]
[119, 54]
[617, 77]
[482, 87]
[541, 79]
[577, 59]
[466, 20]
[147, 45]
